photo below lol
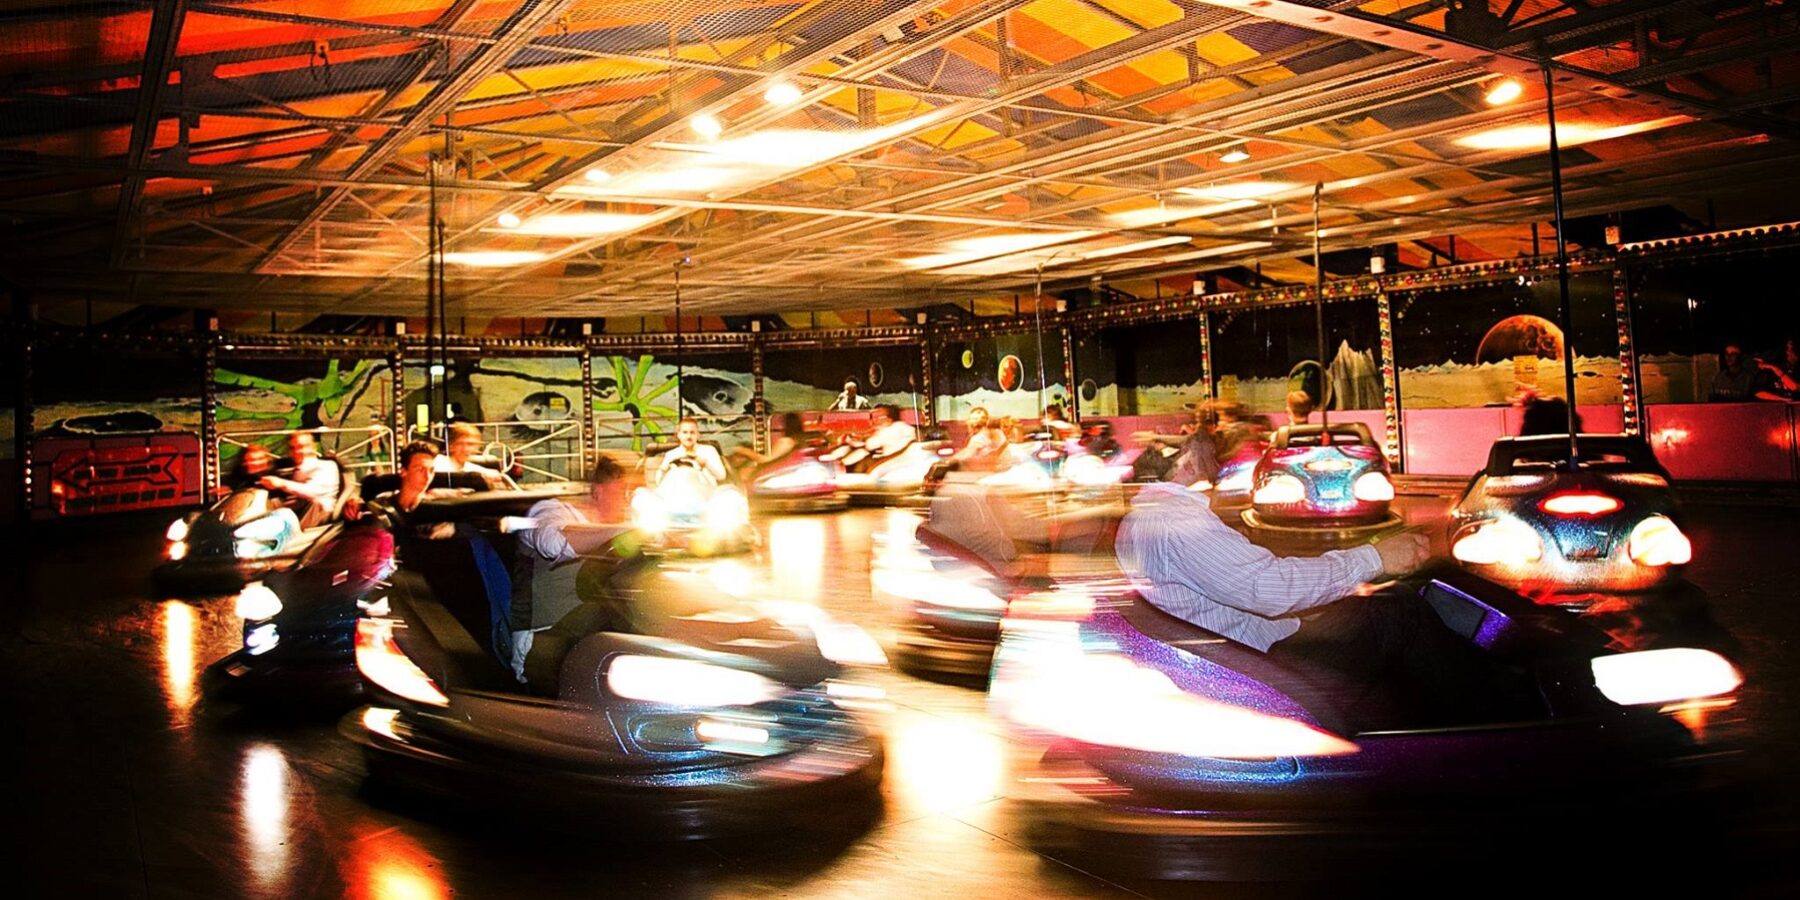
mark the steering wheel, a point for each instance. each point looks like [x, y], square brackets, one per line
[686, 461]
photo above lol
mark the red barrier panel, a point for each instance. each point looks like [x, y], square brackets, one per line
[1450, 441]
[1724, 441]
[78, 476]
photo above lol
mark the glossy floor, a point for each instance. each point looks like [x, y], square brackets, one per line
[121, 786]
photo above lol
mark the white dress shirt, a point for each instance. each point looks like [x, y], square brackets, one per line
[1190, 564]
[889, 438]
[704, 454]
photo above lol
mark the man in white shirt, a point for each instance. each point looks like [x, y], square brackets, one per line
[311, 485]
[465, 442]
[890, 436]
[564, 559]
[849, 399]
[690, 448]
[1189, 563]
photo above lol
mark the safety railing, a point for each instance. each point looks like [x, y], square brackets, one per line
[541, 450]
[361, 451]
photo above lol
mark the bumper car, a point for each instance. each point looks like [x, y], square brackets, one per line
[244, 536]
[948, 603]
[799, 483]
[688, 512]
[708, 716]
[1170, 752]
[900, 479]
[1321, 480]
[299, 625]
[1610, 525]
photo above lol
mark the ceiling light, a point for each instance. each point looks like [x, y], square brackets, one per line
[583, 224]
[1504, 91]
[1568, 134]
[1235, 155]
[969, 250]
[598, 175]
[782, 93]
[509, 220]
[1237, 190]
[493, 259]
[1061, 256]
[706, 126]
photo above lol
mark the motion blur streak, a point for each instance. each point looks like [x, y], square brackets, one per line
[179, 626]
[265, 810]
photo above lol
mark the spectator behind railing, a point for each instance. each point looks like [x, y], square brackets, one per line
[1781, 380]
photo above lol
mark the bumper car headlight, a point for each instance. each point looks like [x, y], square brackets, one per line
[648, 513]
[178, 551]
[1657, 541]
[1280, 491]
[178, 530]
[256, 602]
[727, 511]
[262, 639]
[382, 661]
[1373, 487]
[1664, 676]
[1499, 542]
[847, 644]
[684, 682]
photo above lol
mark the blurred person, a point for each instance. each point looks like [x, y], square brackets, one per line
[1059, 427]
[1190, 564]
[566, 558]
[255, 462]
[792, 437]
[848, 399]
[890, 436]
[688, 446]
[1781, 380]
[465, 442]
[983, 451]
[392, 508]
[1545, 415]
[311, 485]
[1193, 443]
[1234, 430]
[1097, 439]
[1300, 407]
[1736, 381]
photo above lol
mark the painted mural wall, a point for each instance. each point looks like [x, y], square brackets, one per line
[1482, 345]
[1000, 373]
[1683, 314]
[810, 379]
[1261, 354]
[73, 396]
[1139, 370]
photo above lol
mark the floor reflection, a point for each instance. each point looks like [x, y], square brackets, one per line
[179, 626]
[943, 762]
[386, 864]
[797, 557]
[264, 806]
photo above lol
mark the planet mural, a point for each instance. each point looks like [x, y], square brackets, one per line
[1011, 373]
[1522, 335]
[876, 375]
[1090, 390]
[1307, 375]
[968, 359]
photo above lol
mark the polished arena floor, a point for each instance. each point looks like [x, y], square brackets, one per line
[121, 785]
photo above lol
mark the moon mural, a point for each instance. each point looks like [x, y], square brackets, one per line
[1011, 373]
[876, 375]
[1520, 336]
[968, 359]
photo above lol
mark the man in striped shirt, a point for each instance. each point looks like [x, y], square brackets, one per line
[1189, 563]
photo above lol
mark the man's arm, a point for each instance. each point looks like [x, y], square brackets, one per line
[714, 465]
[1217, 562]
[546, 540]
[320, 487]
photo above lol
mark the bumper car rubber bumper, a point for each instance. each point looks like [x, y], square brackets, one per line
[684, 804]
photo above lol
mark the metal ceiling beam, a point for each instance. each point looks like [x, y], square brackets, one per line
[159, 60]
[481, 63]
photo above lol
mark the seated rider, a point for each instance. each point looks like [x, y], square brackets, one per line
[1059, 427]
[792, 437]
[890, 436]
[255, 462]
[465, 442]
[310, 487]
[849, 399]
[687, 433]
[1190, 564]
[566, 559]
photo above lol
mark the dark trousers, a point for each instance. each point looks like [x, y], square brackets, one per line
[1392, 641]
